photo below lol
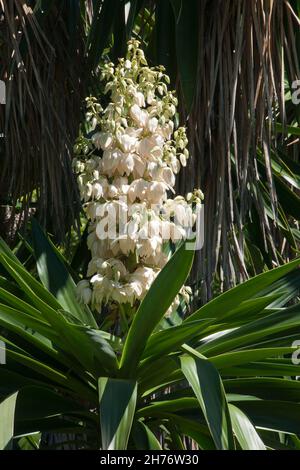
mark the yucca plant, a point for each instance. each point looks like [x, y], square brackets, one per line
[224, 377]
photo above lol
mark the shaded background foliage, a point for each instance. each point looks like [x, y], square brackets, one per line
[232, 63]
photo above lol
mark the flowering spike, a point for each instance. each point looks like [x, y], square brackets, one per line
[126, 169]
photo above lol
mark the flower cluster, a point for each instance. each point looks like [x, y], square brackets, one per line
[126, 169]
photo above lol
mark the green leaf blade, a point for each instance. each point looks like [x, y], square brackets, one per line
[208, 388]
[160, 296]
[117, 407]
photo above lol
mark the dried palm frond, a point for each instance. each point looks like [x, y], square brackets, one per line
[233, 58]
[42, 65]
